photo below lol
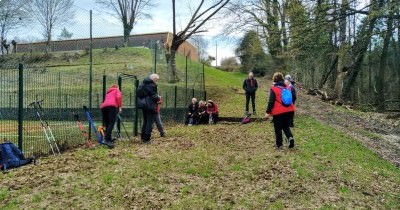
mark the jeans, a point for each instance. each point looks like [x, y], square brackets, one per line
[159, 124]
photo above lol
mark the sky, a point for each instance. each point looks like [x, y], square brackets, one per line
[105, 24]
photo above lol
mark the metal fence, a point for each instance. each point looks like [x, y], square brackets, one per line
[64, 93]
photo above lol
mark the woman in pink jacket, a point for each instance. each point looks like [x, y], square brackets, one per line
[109, 108]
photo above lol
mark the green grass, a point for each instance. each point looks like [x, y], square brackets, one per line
[213, 167]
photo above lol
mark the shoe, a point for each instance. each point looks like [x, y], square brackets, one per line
[278, 147]
[254, 113]
[110, 145]
[162, 134]
[146, 142]
[291, 142]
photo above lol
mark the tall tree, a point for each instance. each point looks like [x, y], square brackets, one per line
[51, 14]
[203, 12]
[251, 54]
[12, 16]
[128, 12]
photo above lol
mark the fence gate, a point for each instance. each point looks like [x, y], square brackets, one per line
[130, 115]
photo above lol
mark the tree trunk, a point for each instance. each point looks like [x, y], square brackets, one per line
[360, 48]
[48, 41]
[383, 63]
[172, 72]
[127, 33]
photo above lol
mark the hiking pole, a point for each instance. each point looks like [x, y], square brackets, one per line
[45, 126]
[48, 127]
[123, 125]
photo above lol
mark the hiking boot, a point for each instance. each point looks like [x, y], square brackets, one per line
[110, 145]
[162, 134]
[291, 142]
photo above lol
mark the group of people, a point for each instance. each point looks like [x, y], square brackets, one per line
[202, 112]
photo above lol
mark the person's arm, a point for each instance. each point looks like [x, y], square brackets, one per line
[119, 100]
[152, 93]
[244, 85]
[271, 101]
[215, 108]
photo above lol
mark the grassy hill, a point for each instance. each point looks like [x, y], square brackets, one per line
[224, 166]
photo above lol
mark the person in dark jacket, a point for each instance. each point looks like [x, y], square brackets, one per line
[250, 87]
[281, 114]
[109, 108]
[202, 113]
[150, 111]
[192, 112]
[290, 84]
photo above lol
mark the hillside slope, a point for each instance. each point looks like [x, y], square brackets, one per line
[224, 166]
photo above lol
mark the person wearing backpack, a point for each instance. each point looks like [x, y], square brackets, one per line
[111, 106]
[148, 99]
[250, 87]
[290, 84]
[281, 107]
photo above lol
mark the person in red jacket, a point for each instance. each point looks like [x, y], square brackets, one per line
[281, 114]
[212, 111]
[109, 108]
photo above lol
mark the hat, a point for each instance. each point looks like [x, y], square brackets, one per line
[288, 77]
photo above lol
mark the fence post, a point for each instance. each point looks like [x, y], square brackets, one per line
[176, 94]
[155, 57]
[186, 79]
[10, 99]
[90, 70]
[204, 83]
[66, 101]
[166, 99]
[20, 104]
[59, 90]
[135, 127]
[104, 86]
[120, 89]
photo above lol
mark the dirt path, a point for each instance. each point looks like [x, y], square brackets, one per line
[374, 130]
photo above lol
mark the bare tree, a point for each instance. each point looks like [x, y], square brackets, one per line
[12, 16]
[51, 14]
[199, 17]
[128, 12]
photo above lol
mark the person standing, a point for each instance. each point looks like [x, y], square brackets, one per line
[250, 87]
[281, 113]
[109, 108]
[151, 98]
[290, 84]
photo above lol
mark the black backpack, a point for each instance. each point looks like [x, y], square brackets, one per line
[12, 157]
[141, 91]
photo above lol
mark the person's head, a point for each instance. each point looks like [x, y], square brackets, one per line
[202, 103]
[194, 100]
[287, 82]
[288, 77]
[278, 77]
[251, 75]
[154, 77]
[210, 103]
[114, 86]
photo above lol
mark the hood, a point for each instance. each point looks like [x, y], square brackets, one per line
[147, 80]
[112, 89]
